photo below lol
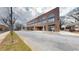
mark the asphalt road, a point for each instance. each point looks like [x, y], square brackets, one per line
[43, 41]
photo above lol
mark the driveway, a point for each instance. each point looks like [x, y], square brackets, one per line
[44, 41]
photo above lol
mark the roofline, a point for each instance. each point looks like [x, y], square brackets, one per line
[42, 14]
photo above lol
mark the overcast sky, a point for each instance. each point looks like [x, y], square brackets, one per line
[24, 14]
[65, 10]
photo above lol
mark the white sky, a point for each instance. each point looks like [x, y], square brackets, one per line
[63, 10]
[44, 9]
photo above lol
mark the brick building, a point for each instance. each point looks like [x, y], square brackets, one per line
[48, 21]
[3, 27]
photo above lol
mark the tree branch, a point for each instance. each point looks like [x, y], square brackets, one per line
[75, 17]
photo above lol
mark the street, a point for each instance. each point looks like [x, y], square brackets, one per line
[43, 41]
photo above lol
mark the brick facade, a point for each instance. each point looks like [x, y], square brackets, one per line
[46, 21]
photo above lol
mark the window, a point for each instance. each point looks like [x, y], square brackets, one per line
[50, 17]
[41, 19]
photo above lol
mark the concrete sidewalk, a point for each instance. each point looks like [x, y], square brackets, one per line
[62, 33]
[3, 35]
[68, 33]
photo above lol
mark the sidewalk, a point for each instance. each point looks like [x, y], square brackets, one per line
[68, 33]
[3, 35]
[61, 33]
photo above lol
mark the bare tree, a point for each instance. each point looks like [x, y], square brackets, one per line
[76, 18]
[9, 20]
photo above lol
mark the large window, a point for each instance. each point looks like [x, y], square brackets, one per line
[43, 22]
[51, 18]
[42, 19]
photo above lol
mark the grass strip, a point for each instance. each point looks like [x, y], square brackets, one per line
[13, 43]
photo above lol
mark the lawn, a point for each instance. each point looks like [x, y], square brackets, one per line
[13, 43]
